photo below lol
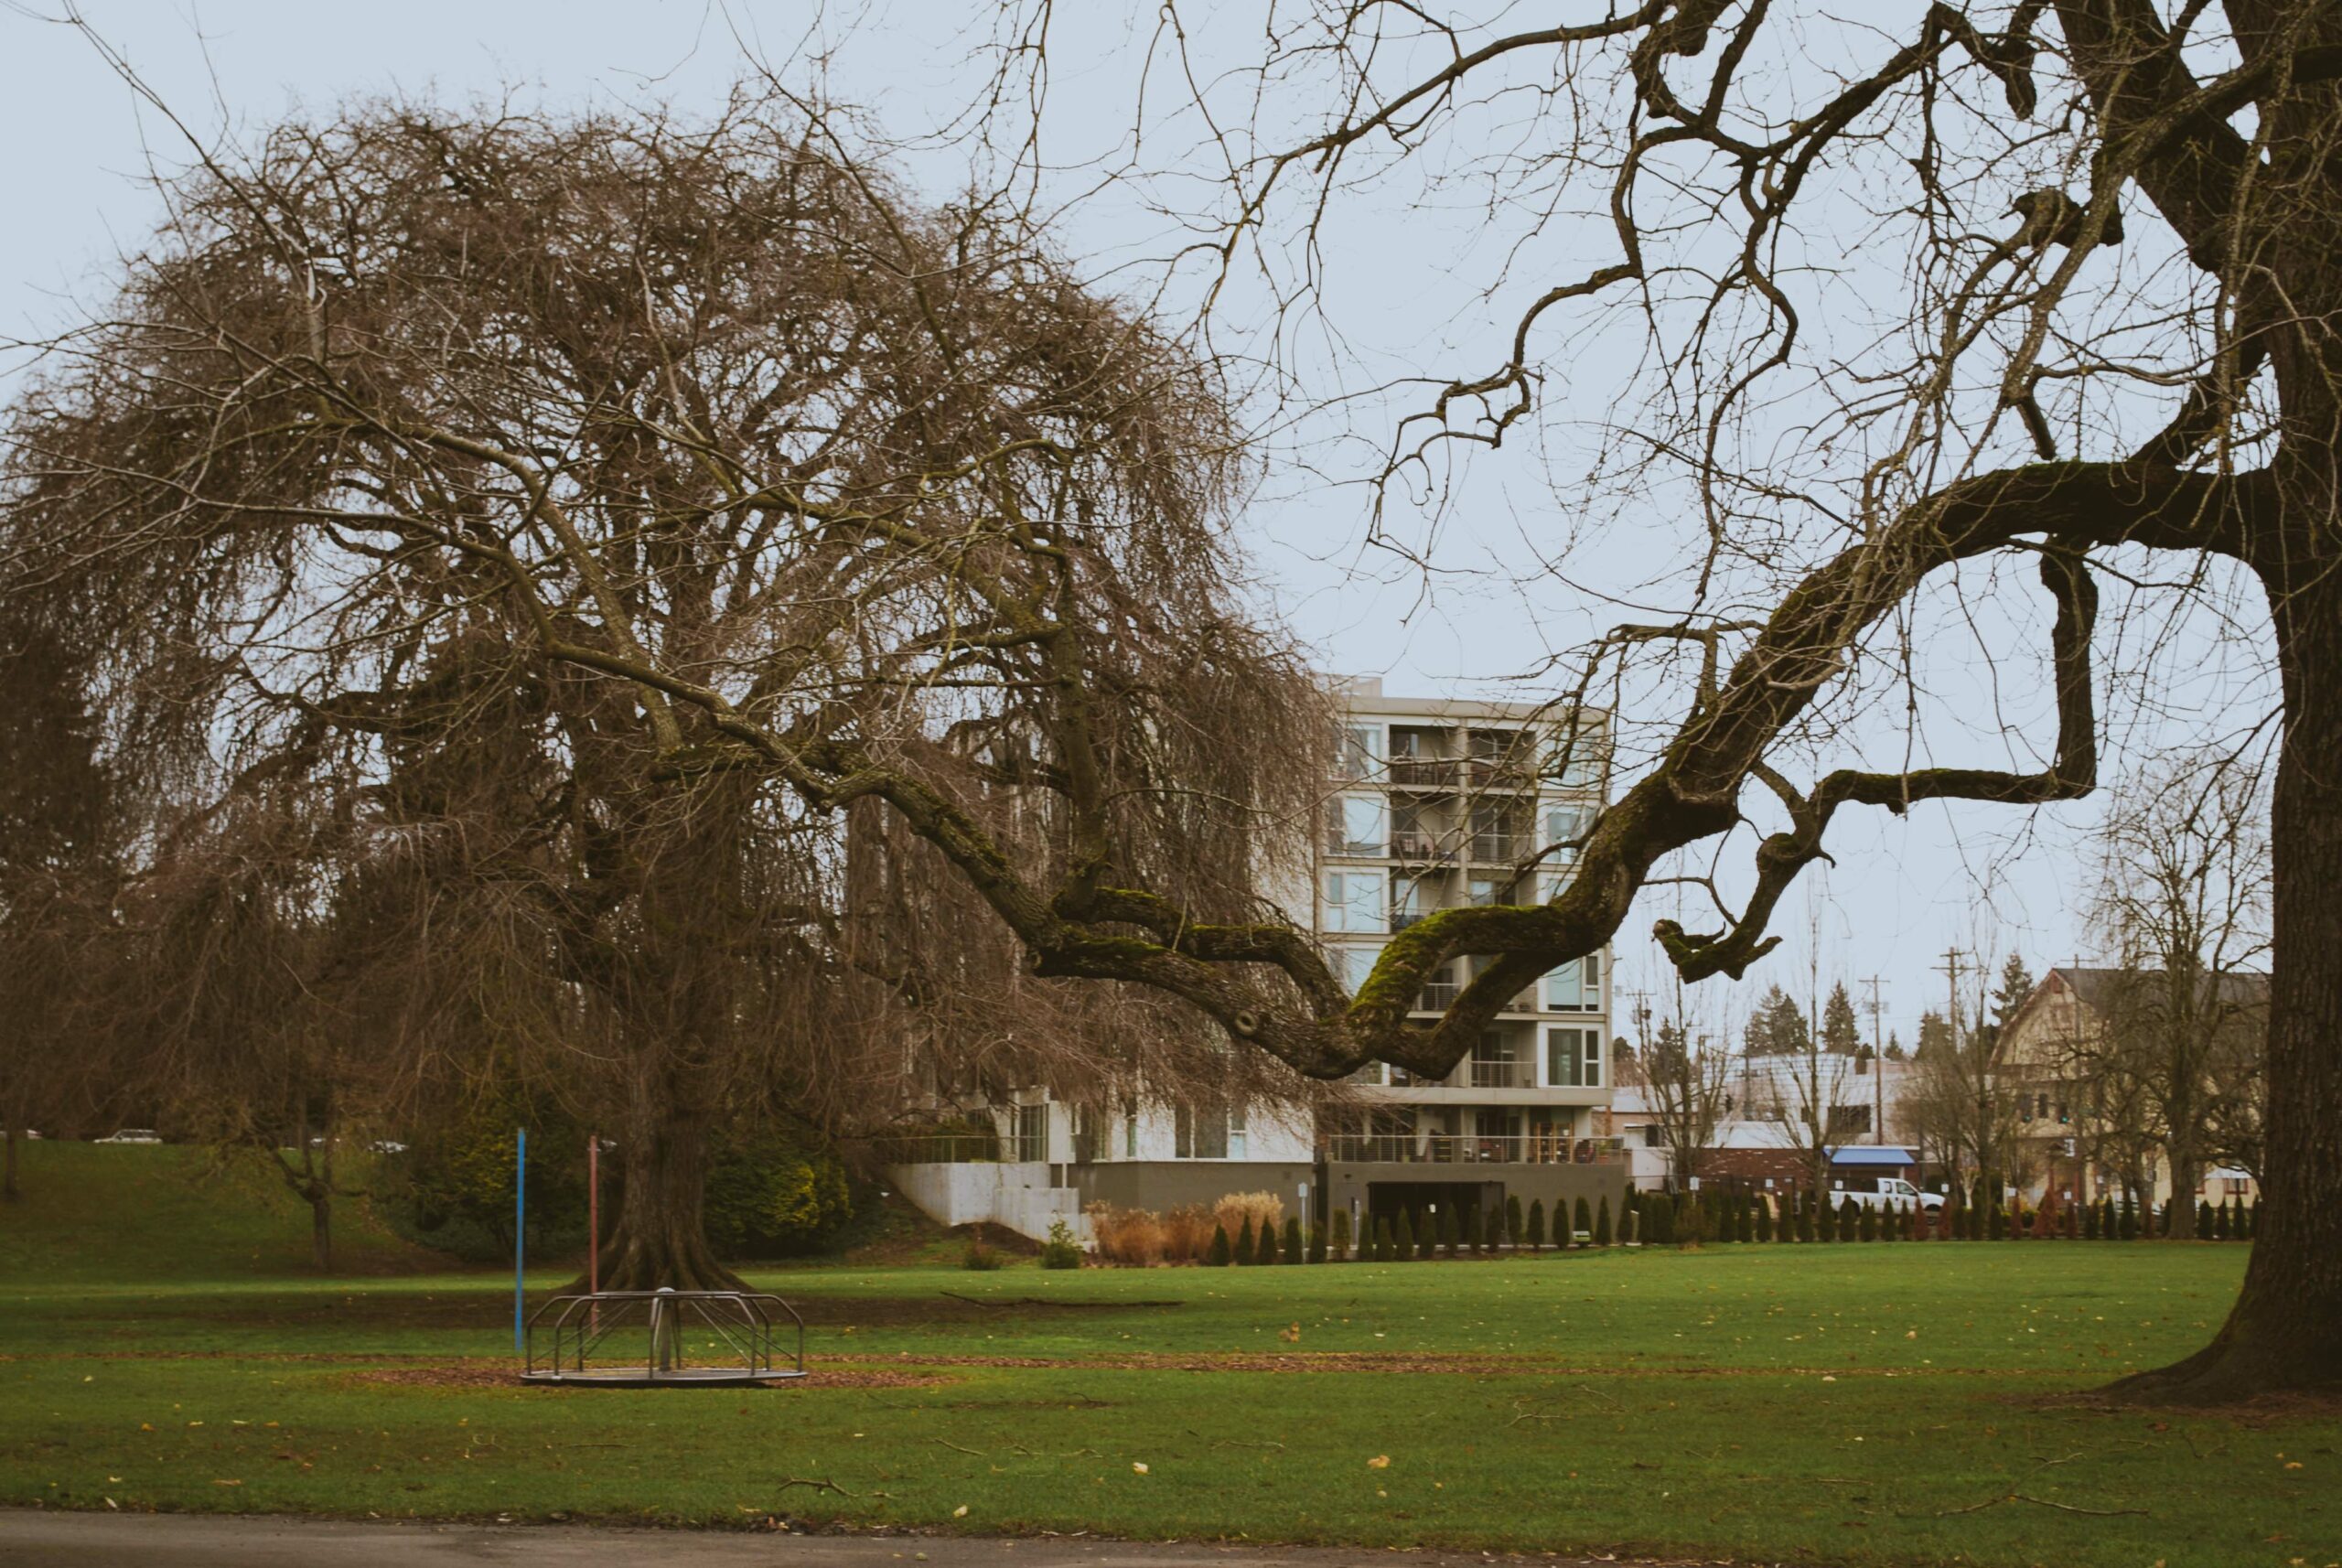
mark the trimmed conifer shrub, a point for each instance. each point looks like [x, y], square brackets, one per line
[1386, 1246]
[1865, 1223]
[1337, 1244]
[1658, 1222]
[1222, 1254]
[1293, 1244]
[1482, 1219]
[1426, 1235]
[1315, 1251]
[1535, 1234]
[1248, 1249]
[1402, 1238]
[2090, 1222]
[1630, 1225]
[1449, 1228]
[1850, 1220]
[1804, 1217]
[1763, 1219]
[1582, 1224]
[1602, 1222]
[1514, 1218]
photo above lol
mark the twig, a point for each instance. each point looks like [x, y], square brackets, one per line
[2041, 1502]
[817, 1485]
[976, 1452]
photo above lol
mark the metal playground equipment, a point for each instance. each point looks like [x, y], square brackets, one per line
[705, 1338]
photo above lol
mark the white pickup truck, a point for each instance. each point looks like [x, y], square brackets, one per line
[1891, 1190]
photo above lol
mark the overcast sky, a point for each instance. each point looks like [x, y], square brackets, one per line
[71, 191]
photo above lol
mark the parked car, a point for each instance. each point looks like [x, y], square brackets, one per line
[131, 1135]
[1890, 1190]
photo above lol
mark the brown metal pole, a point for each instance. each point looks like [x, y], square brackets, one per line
[593, 1213]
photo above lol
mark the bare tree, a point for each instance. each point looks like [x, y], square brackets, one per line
[1689, 1084]
[652, 607]
[2106, 229]
[2183, 903]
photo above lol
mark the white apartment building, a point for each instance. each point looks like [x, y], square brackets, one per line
[1431, 804]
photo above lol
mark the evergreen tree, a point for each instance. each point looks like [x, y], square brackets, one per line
[1317, 1245]
[1583, 1224]
[2090, 1222]
[1293, 1247]
[1535, 1234]
[2205, 1229]
[1426, 1237]
[1806, 1230]
[1848, 1218]
[1935, 1037]
[1247, 1248]
[1602, 1222]
[2010, 994]
[1841, 1031]
[1220, 1255]
[1997, 1226]
[1512, 1218]
[1778, 1027]
[1449, 1229]
[1764, 1220]
[1630, 1226]
[1402, 1238]
[1659, 1223]
[1867, 1223]
[1338, 1247]
[2017, 1219]
[1894, 1046]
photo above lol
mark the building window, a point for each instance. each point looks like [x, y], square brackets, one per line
[1564, 825]
[1654, 1135]
[1486, 892]
[1357, 824]
[1354, 901]
[1848, 1122]
[1358, 753]
[1574, 1059]
[1575, 760]
[1412, 898]
[1033, 1133]
[1576, 986]
[1208, 1133]
[1130, 1133]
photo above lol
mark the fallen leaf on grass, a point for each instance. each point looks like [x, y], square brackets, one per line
[1379, 1462]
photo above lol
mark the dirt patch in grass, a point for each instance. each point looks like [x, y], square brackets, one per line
[501, 1375]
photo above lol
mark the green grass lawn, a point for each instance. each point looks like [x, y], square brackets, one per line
[1861, 1404]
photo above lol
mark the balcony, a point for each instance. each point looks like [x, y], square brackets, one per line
[1499, 773]
[1472, 1149]
[1501, 848]
[1437, 997]
[1422, 772]
[1503, 1073]
[1421, 849]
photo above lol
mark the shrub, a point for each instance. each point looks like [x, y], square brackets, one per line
[1630, 1226]
[1849, 1220]
[1500, 1233]
[1264, 1250]
[1660, 1217]
[1402, 1238]
[1061, 1251]
[771, 1195]
[1186, 1233]
[1602, 1222]
[1484, 1230]
[1222, 1253]
[1763, 1218]
[1582, 1220]
[2090, 1222]
[1535, 1234]
[1426, 1235]
[1865, 1223]
[2226, 1229]
[982, 1258]
[1339, 1245]
[1384, 1246]
[1513, 1219]
[2126, 1226]
[1236, 1209]
[1246, 1249]
[1316, 1253]
[2206, 1227]
[2017, 1218]
[1445, 1229]
[1132, 1236]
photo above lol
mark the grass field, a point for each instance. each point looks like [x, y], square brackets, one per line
[1858, 1404]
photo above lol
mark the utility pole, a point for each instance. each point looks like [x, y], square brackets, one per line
[1877, 1070]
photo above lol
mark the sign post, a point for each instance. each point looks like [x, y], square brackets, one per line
[519, 1227]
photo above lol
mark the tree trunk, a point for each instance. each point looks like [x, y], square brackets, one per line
[321, 1227]
[2186, 1172]
[9, 1191]
[661, 1239]
[2285, 1330]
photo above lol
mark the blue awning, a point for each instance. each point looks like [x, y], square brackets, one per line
[1871, 1154]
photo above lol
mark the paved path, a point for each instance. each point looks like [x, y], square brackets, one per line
[35, 1538]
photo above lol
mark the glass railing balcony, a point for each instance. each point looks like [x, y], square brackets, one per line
[1422, 772]
[1503, 1073]
[1437, 997]
[1467, 1148]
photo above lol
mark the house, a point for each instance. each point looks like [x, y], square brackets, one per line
[1430, 804]
[2082, 1134]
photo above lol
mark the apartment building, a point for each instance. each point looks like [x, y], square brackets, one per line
[1430, 804]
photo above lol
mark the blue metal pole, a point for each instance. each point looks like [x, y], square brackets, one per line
[519, 1227]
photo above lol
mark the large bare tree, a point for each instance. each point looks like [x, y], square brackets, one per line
[1876, 306]
[651, 582]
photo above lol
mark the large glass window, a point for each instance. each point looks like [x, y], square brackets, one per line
[1358, 751]
[1357, 824]
[1412, 898]
[1574, 1059]
[1565, 825]
[1352, 965]
[1576, 986]
[1206, 1133]
[1033, 1133]
[1354, 901]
